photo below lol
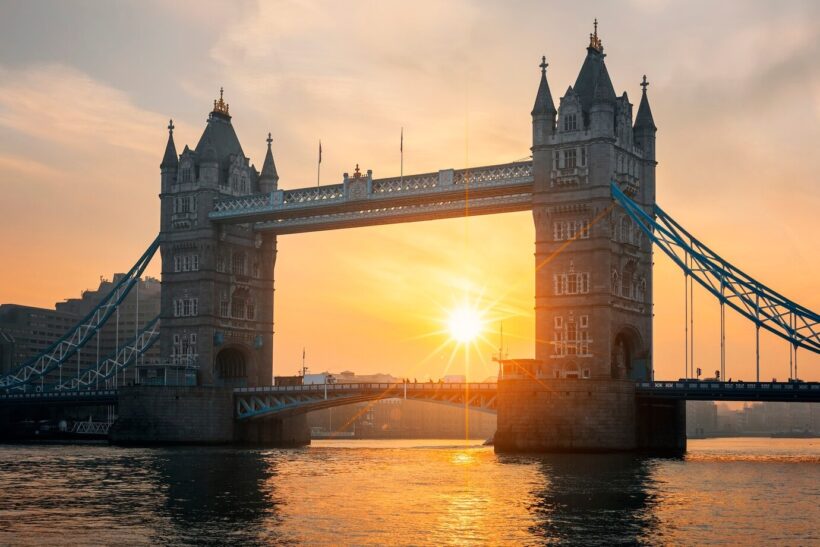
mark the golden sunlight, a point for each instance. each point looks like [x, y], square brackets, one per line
[465, 324]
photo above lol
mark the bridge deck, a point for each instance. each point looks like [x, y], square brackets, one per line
[692, 390]
[365, 202]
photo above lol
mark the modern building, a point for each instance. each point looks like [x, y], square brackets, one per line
[27, 331]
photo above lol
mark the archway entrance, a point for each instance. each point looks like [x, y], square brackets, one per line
[231, 368]
[626, 357]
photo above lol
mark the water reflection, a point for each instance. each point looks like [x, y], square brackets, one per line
[594, 499]
[217, 496]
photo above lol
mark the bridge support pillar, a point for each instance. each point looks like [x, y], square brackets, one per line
[174, 415]
[661, 425]
[283, 432]
[585, 415]
[565, 415]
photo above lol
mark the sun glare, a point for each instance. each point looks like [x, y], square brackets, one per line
[465, 324]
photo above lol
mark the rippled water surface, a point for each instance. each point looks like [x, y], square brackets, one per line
[733, 491]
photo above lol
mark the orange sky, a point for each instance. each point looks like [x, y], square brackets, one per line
[735, 92]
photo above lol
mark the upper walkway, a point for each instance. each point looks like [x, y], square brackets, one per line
[363, 201]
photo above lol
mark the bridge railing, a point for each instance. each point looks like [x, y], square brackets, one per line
[728, 386]
[419, 386]
[363, 189]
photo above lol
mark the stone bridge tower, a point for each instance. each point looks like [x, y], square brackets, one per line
[593, 281]
[593, 274]
[217, 281]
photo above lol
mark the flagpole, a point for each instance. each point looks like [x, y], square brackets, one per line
[401, 149]
[319, 166]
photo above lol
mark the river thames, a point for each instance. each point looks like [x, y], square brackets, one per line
[421, 492]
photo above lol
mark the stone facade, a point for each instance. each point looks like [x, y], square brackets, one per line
[217, 281]
[593, 280]
[565, 415]
[148, 415]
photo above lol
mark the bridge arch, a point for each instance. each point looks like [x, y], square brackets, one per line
[233, 365]
[278, 402]
[629, 355]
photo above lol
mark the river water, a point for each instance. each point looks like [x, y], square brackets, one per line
[734, 491]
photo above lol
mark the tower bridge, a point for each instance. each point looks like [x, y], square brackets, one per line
[591, 188]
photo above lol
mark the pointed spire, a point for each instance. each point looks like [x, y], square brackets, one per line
[170, 159]
[644, 118]
[544, 104]
[269, 167]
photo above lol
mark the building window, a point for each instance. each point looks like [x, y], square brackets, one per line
[559, 347]
[586, 373]
[557, 159]
[583, 156]
[223, 308]
[251, 310]
[558, 231]
[186, 307]
[186, 175]
[584, 321]
[558, 321]
[570, 283]
[570, 229]
[626, 285]
[194, 263]
[570, 122]
[626, 230]
[570, 158]
[238, 308]
[220, 264]
[238, 264]
[615, 283]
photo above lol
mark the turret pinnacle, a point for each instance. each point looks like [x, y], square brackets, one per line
[170, 159]
[644, 118]
[269, 174]
[543, 99]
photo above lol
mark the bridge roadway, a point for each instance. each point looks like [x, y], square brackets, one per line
[253, 403]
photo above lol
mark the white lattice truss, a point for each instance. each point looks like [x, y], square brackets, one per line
[448, 193]
[91, 428]
[64, 348]
[283, 401]
[100, 375]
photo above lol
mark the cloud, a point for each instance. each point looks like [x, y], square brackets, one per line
[64, 106]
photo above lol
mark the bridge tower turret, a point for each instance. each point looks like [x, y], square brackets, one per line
[593, 266]
[593, 274]
[217, 281]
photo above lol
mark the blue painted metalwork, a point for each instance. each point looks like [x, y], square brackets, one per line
[119, 360]
[279, 401]
[731, 286]
[692, 390]
[64, 348]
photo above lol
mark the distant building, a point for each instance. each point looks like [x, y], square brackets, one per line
[140, 306]
[27, 331]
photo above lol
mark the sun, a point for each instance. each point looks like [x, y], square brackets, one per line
[465, 324]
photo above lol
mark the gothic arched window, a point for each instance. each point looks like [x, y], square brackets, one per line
[615, 283]
[625, 229]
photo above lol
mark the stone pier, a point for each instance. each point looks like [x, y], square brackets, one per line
[196, 415]
[584, 415]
